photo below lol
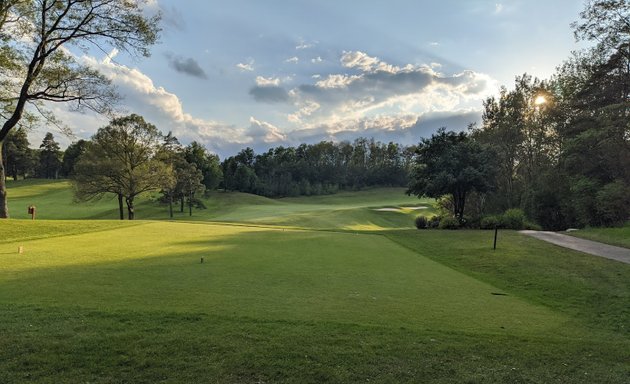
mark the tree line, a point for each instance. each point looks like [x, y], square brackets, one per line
[46, 162]
[130, 156]
[315, 169]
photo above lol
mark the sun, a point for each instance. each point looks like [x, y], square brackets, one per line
[540, 100]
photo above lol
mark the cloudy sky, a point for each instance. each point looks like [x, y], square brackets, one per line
[239, 73]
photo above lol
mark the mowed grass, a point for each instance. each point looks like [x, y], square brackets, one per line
[619, 236]
[304, 276]
[350, 211]
[135, 304]
[366, 300]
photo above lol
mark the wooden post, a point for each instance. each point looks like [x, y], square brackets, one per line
[20, 249]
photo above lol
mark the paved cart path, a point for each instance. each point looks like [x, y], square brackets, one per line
[583, 245]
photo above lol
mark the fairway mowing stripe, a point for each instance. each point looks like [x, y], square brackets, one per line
[246, 225]
[280, 228]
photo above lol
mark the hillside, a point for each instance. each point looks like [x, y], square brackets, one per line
[345, 210]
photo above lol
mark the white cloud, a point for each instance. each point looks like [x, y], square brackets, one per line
[307, 108]
[305, 45]
[376, 99]
[268, 133]
[360, 60]
[378, 88]
[316, 60]
[267, 81]
[365, 63]
[498, 8]
[293, 60]
[164, 109]
[336, 81]
[249, 66]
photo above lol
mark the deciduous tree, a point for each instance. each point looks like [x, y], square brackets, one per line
[36, 67]
[122, 159]
[451, 163]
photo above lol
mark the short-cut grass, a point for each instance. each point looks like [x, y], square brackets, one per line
[346, 210]
[619, 236]
[299, 290]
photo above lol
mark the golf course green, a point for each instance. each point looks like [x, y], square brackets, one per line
[337, 288]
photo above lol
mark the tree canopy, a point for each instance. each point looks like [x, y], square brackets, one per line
[451, 163]
[122, 159]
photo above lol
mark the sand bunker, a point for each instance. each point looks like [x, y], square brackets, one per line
[401, 209]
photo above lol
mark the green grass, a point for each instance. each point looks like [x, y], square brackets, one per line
[376, 282]
[366, 300]
[590, 290]
[616, 236]
[346, 210]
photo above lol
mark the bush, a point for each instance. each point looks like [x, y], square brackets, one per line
[434, 222]
[531, 226]
[510, 219]
[421, 222]
[470, 222]
[449, 222]
[490, 222]
[513, 219]
[613, 204]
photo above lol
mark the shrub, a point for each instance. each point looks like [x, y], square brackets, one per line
[471, 222]
[434, 222]
[421, 222]
[490, 222]
[532, 226]
[613, 203]
[513, 219]
[449, 222]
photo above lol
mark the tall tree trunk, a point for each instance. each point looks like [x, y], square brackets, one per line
[4, 208]
[459, 199]
[190, 202]
[120, 207]
[181, 203]
[170, 204]
[130, 209]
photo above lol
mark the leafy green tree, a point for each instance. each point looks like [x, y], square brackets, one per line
[71, 156]
[49, 157]
[123, 159]
[451, 163]
[36, 66]
[189, 182]
[206, 162]
[18, 157]
[171, 153]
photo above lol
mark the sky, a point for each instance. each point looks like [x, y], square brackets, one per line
[235, 74]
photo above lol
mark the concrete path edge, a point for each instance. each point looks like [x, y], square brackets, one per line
[582, 245]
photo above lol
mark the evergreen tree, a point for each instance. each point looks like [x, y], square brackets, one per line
[49, 157]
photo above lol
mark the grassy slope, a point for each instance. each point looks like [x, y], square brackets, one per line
[346, 210]
[108, 301]
[274, 305]
[615, 236]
